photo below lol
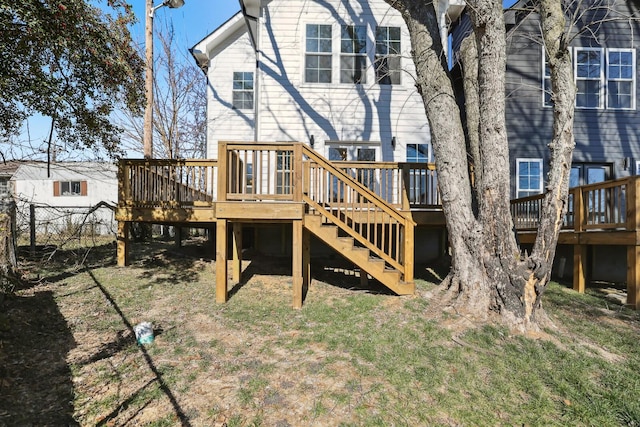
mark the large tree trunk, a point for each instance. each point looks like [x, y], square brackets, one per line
[489, 272]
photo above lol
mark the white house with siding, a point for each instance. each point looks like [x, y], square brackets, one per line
[66, 194]
[335, 74]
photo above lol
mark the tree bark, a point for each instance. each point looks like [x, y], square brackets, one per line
[489, 273]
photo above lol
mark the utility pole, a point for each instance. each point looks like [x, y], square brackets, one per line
[147, 140]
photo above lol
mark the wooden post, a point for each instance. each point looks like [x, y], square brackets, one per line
[297, 172]
[221, 261]
[405, 180]
[633, 277]
[579, 250]
[237, 252]
[364, 279]
[122, 249]
[306, 261]
[32, 228]
[177, 236]
[633, 252]
[579, 267]
[296, 270]
[409, 251]
[223, 176]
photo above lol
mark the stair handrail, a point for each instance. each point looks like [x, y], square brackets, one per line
[403, 220]
[379, 201]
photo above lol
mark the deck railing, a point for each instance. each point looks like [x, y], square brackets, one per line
[600, 206]
[404, 185]
[162, 183]
[256, 171]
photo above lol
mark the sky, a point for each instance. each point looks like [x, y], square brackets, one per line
[192, 22]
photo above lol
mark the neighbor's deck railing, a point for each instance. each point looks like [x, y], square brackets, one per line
[166, 183]
[601, 206]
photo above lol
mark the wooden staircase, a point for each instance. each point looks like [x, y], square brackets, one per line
[360, 256]
[357, 223]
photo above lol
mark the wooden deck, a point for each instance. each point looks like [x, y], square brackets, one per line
[366, 211]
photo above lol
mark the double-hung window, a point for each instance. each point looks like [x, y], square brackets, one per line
[388, 55]
[621, 84]
[605, 79]
[317, 68]
[243, 90]
[353, 54]
[529, 177]
[589, 76]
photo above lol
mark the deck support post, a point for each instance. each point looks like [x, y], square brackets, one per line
[296, 271]
[221, 261]
[177, 235]
[364, 279]
[237, 252]
[123, 244]
[408, 254]
[579, 267]
[306, 261]
[579, 250]
[633, 277]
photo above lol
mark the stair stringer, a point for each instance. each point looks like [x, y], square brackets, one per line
[376, 267]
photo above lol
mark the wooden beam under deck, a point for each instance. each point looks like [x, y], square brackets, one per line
[167, 214]
[262, 211]
[606, 237]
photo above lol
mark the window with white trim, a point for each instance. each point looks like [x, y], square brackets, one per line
[605, 78]
[621, 82]
[317, 68]
[243, 90]
[353, 54]
[589, 75]
[528, 177]
[387, 56]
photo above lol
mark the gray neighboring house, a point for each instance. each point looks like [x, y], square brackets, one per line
[607, 120]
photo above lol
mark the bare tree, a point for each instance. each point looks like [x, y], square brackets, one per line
[179, 121]
[490, 273]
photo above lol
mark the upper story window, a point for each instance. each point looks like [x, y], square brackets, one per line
[317, 68]
[353, 54]
[621, 82]
[589, 74]
[388, 55]
[243, 90]
[605, 78]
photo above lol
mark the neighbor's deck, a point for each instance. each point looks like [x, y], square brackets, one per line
[377, 202]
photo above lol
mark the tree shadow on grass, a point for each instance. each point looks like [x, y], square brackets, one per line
[36, 385]
[121, 342]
